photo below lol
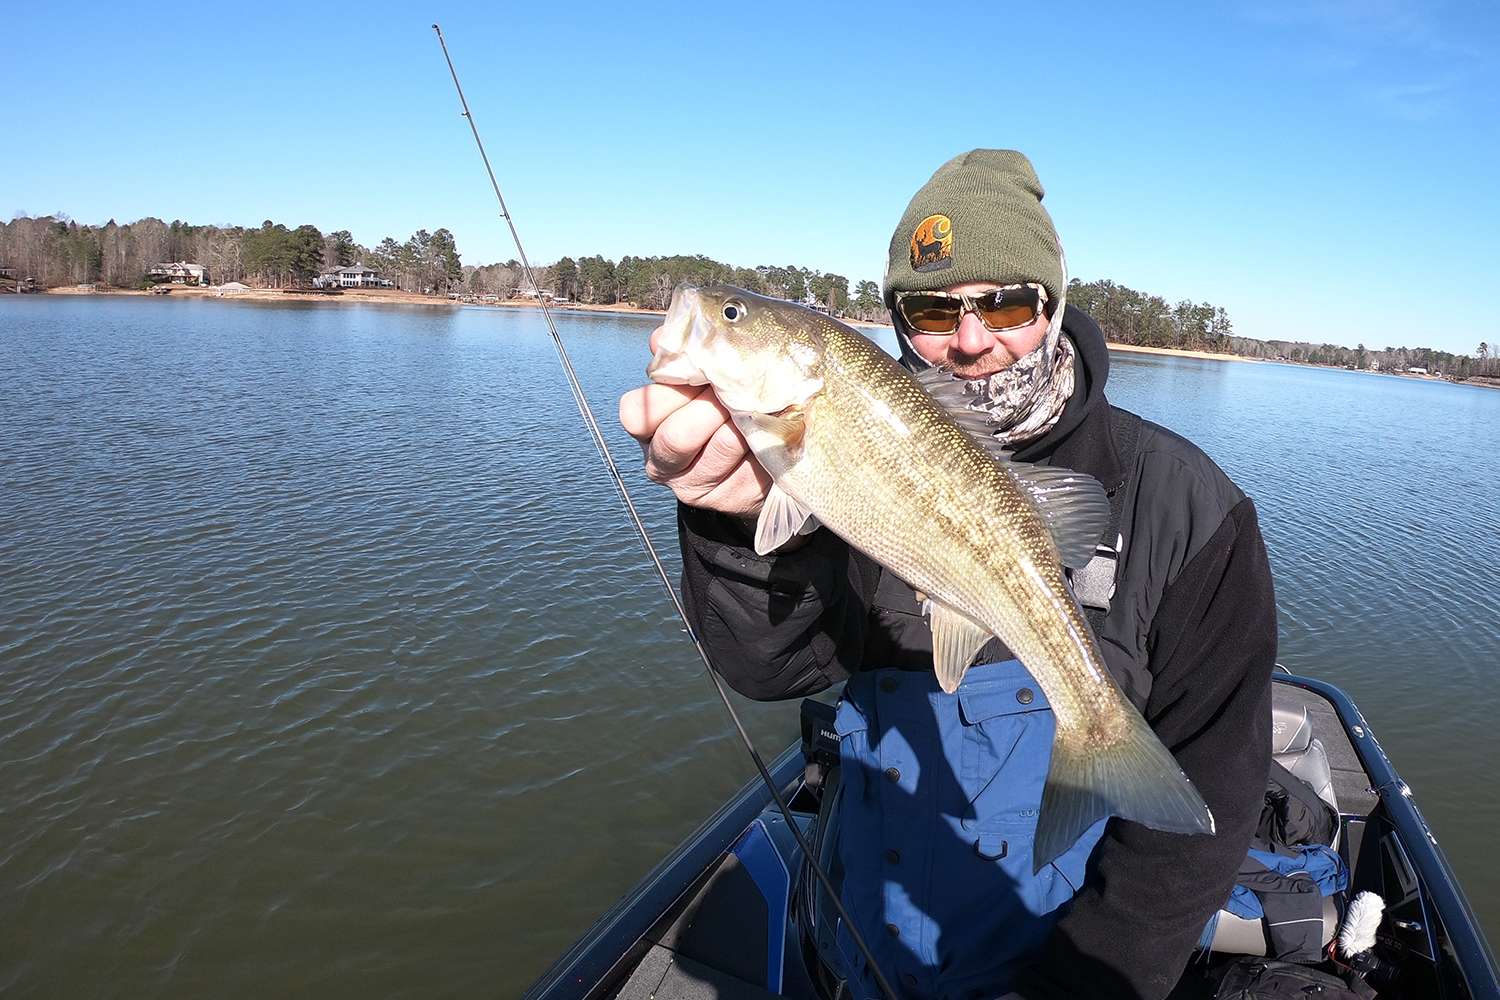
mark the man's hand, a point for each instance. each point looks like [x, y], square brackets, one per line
[693, 448]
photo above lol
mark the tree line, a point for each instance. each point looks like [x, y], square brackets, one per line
[648, 282]
[56, 250]
[1126, 316]
[1483, 363]
[1140, 319]
[1143, 320]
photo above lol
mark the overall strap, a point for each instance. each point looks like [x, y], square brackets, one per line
[1094, 584]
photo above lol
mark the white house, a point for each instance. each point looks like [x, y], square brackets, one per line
[355, 276]
[180, 273]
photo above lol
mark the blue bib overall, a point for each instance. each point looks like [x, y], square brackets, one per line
[937, 811]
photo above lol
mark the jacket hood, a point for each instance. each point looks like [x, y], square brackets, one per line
[1081, 438]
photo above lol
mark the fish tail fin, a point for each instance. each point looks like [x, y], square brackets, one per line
[1135, 778]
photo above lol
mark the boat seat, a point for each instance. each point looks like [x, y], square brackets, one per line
[1296, 749]
[1238, 936]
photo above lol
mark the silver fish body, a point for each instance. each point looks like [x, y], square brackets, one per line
[854, 442]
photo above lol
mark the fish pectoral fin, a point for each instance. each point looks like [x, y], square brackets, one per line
[1133, 777]
[956, 640]
[788, 426]
[781, 518]
[776, 433]
[1073, 505]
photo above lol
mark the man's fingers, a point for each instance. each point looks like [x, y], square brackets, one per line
[741, 493]
[692, 446]
[656, 337]
[683, 435]
[715, 460]
[643, 410]
[719, 456]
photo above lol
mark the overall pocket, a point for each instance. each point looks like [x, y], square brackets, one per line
[1007, 730]
[855, 755]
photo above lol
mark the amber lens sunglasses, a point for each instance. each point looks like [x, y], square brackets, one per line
[1008, 308]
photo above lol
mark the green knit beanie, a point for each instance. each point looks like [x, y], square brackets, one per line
[980, 218]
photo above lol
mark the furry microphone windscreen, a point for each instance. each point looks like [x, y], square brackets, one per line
[1358, 931]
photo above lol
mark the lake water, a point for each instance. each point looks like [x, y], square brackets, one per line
[330, 666]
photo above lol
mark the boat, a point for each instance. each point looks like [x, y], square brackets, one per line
[731, 912]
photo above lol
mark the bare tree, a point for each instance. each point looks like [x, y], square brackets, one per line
[661, 290]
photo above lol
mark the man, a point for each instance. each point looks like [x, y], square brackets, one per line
[939, 795]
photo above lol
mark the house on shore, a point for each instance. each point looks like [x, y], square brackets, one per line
[354, 276]
[526, 290]
[11, 281]
[179, 273]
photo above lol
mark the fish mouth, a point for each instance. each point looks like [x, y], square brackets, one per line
[671, 365]
[674, 369]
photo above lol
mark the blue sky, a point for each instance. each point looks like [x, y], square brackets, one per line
[1325, 171]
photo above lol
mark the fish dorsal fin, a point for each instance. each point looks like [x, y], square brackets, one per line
[956, 640]
[943, 387]
[948, 393]
[1073, 505]
[781, 518]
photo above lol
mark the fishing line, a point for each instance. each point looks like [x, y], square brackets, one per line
[640, 529]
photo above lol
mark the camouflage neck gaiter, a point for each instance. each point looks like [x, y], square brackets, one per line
[1025, 400]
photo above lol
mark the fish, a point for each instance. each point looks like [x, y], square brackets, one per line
[891, 463]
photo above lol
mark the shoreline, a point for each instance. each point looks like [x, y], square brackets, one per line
[1181, 353]
[347, 296]
[386, 296]
[389, 296]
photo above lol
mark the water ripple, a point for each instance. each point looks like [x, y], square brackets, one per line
[332, 667]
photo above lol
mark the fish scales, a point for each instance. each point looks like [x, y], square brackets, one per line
[895, 475]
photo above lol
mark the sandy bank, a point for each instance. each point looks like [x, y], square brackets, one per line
[389, 296]
[1176, 353]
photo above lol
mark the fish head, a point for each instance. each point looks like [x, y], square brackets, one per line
[761, 355]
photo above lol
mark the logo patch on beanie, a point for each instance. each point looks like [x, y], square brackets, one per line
[932, 244]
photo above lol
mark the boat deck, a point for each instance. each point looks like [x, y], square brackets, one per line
[665, 975]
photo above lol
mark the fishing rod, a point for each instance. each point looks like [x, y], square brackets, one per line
[640, 529]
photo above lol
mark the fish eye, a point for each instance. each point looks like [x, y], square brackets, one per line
[734, 310]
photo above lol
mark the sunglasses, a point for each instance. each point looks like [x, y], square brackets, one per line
[1008, 308]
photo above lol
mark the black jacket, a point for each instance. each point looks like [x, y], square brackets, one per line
[1190, 636]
